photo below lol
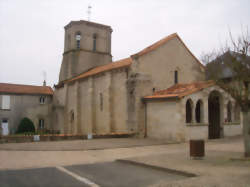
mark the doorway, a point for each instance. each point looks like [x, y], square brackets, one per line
[5, 127]
[214, 113]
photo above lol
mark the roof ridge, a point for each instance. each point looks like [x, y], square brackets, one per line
[25, 89]
[181, 90]
[14, 84]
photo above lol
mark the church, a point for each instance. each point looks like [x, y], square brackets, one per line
[158, 92]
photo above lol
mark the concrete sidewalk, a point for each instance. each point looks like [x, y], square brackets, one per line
[223, 165]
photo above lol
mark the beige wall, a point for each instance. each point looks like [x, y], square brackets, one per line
[102, 86]
[161, 63]
[83, 98]
[87, 30]
[119, 101]
[39, 112]
[162, 114]
[76, 61]
[163, 121]
[21, 106]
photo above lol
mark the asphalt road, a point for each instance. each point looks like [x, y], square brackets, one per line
[106, 174]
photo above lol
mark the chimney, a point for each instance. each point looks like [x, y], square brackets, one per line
[44, 83]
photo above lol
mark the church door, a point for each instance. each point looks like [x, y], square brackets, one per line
[214, 116]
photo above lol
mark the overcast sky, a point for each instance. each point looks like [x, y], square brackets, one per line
[32, 33]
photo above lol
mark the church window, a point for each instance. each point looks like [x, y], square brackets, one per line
[101, 101]
[199, 111]
[72, 116]
[189, 107]
[78, 39]
[229, 111]
[176, 77]
[94, 42]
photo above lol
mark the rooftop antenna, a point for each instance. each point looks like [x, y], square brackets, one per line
[89, 12]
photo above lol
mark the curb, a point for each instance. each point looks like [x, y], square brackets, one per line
[172, 171]
[82, 149]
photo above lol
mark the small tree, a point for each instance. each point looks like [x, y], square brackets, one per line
[230, 68]
[26, 125]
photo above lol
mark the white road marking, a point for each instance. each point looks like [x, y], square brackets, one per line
[82, 179]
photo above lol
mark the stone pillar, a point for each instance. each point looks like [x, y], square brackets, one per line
[138, 86]
[78, 129]
[91, 124]
[193, 111]
[66, 116]
[205, 111]
[110, 102]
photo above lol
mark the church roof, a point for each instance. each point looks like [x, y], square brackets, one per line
[8, 88]
[100, 69]
[162, 42]
[180, 90]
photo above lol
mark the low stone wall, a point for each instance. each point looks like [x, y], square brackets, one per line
[232, 129]
[58, 137]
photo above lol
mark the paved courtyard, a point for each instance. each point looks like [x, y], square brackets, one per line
[220, 167]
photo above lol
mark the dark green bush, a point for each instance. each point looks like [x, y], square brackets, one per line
[26, 125]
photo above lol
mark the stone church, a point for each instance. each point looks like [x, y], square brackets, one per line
[158, 92]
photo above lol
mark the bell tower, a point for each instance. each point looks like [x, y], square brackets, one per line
[86, 45]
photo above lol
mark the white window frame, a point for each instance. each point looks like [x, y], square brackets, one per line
[41, 123]
[5, 102]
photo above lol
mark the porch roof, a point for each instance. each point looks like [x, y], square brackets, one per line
[178, 91]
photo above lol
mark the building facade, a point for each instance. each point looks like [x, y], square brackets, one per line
[19, 101]
[97, 96]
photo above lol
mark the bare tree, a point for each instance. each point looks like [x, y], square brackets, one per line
[230, 68]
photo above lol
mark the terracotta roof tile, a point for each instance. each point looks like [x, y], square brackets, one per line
[160, 43]
[181, 90]
[100, 69]
[25, 89]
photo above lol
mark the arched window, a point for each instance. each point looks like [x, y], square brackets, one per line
[229, 111]
[176, 77]
[69, 41]
[78, 39]
[189, 106]
[94, 42]
[42, 100]
[199, 111]
[237, 113]
[72, 116]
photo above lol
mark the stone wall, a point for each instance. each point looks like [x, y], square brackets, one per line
[161, 64]
[79, 60]
[167, 119]
[20, 106]
[163, 122]
[96, 104]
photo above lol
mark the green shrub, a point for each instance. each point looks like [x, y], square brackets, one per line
[26, 125]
